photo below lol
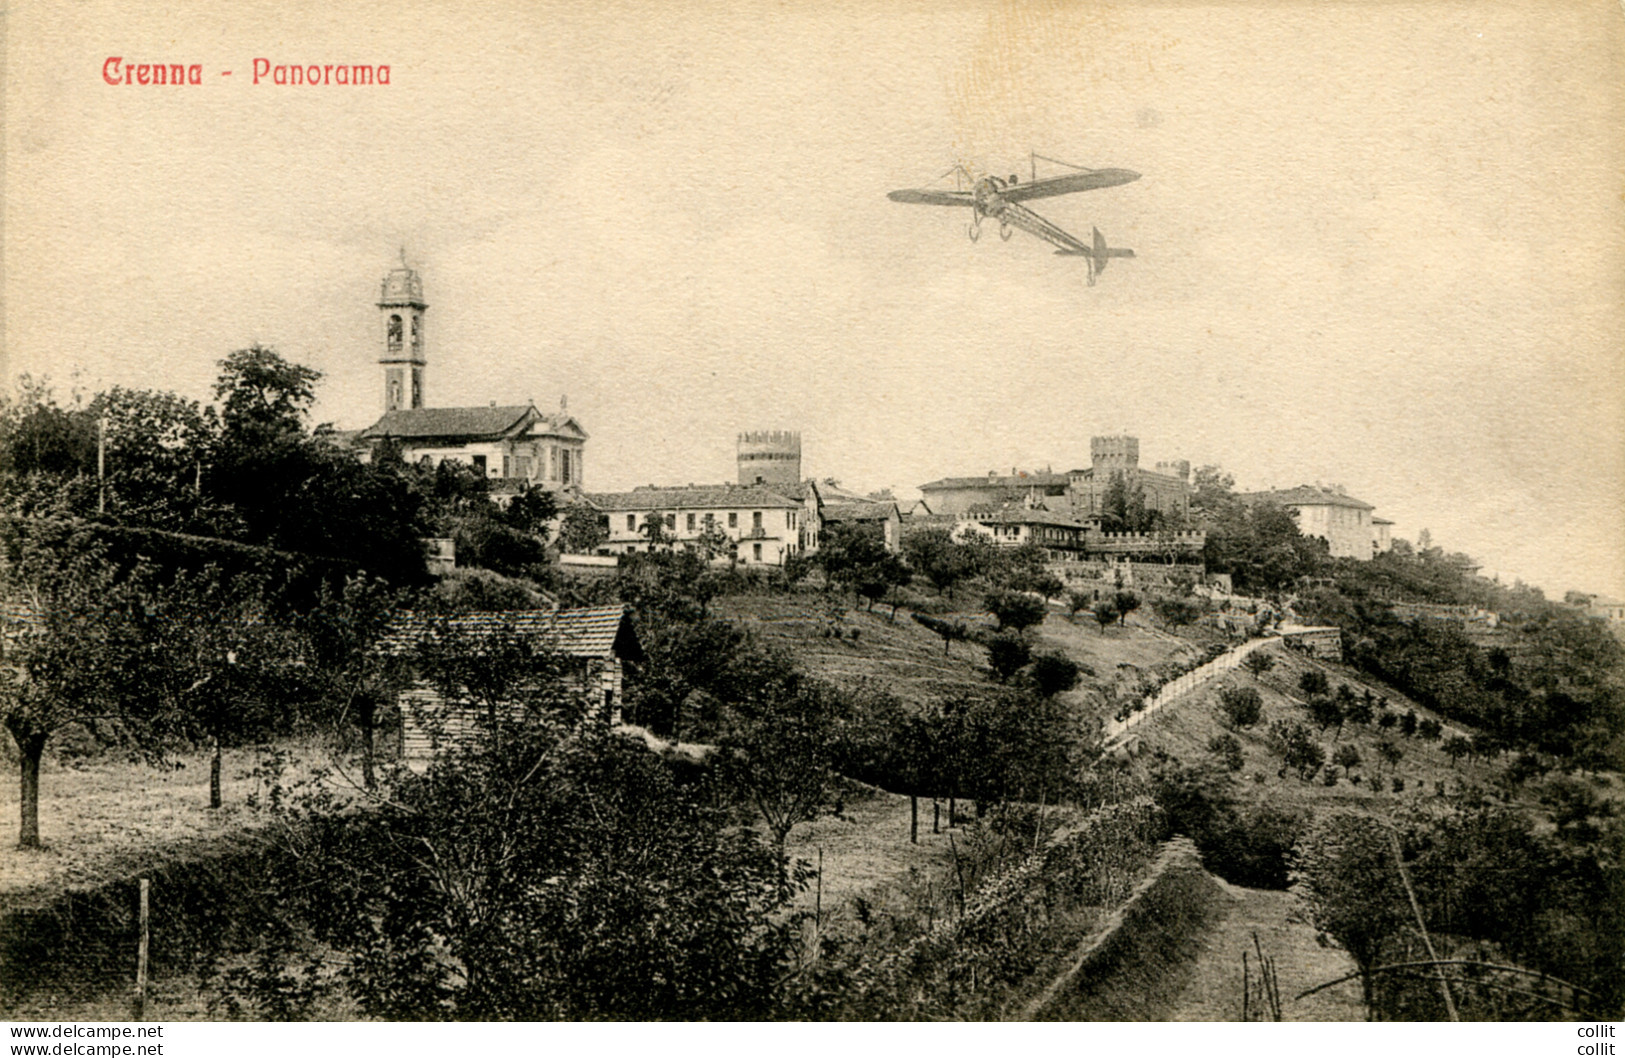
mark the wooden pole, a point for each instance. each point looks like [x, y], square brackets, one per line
[1416, 909]
[141, 958]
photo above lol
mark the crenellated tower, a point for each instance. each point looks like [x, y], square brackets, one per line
[401, 305]
[770, 457]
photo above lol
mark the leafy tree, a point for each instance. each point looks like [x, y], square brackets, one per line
[1345, 872]
[936, 557]
[1430, 730]
[1297, 748]
[851, 553]
[1407, 723]
[1347, 757]
[1258, 662]
[263, 397]
[1015, 610]
[1176, 613]
[1052, 672]
[73, 654]
[1227, 748]
[558, 877]
[1360, 712]
[1314, 682]
[1007, 653]
[1456, 747]
[1038, 581]
[655, 530]
[1326, 713]
[1105, 615]
[582, 530]
[875, 580]
[1125, 603]
[1387, 719]
[948, 630]
[714, 542]
[357, 680]
[1391, 754]
[781, 756]
[1076, 601]
[1242, 706]
[510, 677]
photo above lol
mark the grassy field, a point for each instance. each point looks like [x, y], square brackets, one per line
[105, 817]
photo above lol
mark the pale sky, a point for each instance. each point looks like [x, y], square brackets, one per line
[1381, 245]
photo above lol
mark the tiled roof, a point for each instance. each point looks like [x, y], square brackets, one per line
[488, 421]
[1309, 496]
[860, 511]
[1027, 516]
[1003, 481]
[695, 497]
[584, 632]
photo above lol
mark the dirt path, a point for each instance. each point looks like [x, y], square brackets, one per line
[1214, 989]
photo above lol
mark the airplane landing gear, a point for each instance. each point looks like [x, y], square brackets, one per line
[1005, 231]
[975, 229]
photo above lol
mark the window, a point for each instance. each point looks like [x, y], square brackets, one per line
[479, 464]
[733, 519]
[564, 467]
[690, 522]
[789, 520]
[553, 462]
[756, 520]
[631, 522]
[671, 521]
[507, 467]
[394, 334]
[756, 552]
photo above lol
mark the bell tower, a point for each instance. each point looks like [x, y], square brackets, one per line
[402, 306]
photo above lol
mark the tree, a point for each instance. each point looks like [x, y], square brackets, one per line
[1105, 614]
[875, 580]
[1346, 874]
[1076, 601]
[358, 681]
[851, 553]
[264, 396]
[780, 755]
[1347, 757]
[1297, 748]
[1125, 603]
[1456, 747]
[1242, 707]
[948, 630]
[1007, 653]
[1326, 713]
[714, 542]
[1391, 754]
[1314, 682]
[1258, 663]
[1227, 748]
[1175, 612]
[1015, 610]
[1407, 723]
[1052, 672]
[936, 557]
[74, 651]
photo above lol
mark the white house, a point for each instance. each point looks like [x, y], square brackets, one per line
[514, 442]
[762, 525]
[1330, 514]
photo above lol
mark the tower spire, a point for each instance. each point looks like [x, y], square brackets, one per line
[401, 305]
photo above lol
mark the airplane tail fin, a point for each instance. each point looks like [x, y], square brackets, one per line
[1098, 254]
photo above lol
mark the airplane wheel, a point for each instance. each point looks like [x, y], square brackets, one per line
[974, 231]
[1005, 232]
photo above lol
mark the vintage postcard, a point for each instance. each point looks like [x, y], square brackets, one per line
[995, 510]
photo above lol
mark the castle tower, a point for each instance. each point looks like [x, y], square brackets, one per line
[1110, 454]
[770, 457]
[402, 306]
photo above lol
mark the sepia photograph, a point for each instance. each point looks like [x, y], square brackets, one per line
[730, 511]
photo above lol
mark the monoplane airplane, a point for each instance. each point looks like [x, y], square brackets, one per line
[1000, 198]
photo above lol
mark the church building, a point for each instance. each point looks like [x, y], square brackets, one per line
[515, 443]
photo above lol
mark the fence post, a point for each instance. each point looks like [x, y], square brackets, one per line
[141, 958]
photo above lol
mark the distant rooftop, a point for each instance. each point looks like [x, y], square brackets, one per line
[1308, 496]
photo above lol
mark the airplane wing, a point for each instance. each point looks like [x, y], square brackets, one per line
[1031, 223]
[1088, 180]
[925, 197]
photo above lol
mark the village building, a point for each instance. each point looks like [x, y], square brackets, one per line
[1166, 489]
[1382, 536]
[1331, 515]
[761, 526]
[594, 642]
[1060, 535]
[515, 444]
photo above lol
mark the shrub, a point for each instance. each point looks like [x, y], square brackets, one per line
[1053, 672]
[1242, 706]
[1407, 723]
